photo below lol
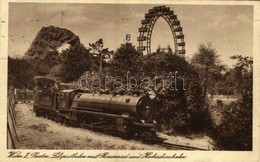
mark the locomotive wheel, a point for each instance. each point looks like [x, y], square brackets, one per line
[58, 118]
[63, 120]
[66, 122]
[55, 118]
[83, 122]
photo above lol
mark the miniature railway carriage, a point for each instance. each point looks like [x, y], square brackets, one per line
[124, 114]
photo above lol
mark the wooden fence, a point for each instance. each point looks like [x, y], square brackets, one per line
[14, 97]
[23, 96]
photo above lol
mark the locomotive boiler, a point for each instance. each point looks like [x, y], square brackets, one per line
[127, 115]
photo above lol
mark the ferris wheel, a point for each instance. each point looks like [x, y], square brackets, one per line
[145, 31]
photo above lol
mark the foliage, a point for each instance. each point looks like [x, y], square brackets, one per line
[181, 109]
[207, 63]
[197, 112]
[235, 131]
[245, 63]
[162, 63]
[224, 83]
[74, 63]
[99, 55]
[126, 58]
[243, 72]
[68, 66]
[23, 71]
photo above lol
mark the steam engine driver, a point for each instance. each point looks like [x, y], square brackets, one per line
[56, 87]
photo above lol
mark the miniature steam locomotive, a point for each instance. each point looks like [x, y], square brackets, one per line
[127, 115]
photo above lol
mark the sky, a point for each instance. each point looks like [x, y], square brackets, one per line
[228, 27]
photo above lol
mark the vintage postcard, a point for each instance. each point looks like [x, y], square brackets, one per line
[130, 80]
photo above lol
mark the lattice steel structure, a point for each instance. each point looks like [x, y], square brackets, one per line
[151, 17]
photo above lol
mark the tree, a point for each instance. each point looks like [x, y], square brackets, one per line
[126, 58]
[243, 70]
[225, 84]
[235, 131]
[24, 71]
[74, 63]
[207, 63]
[102, 53]
[182, 109]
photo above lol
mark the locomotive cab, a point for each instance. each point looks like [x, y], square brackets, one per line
[45, 96]
[66, 97]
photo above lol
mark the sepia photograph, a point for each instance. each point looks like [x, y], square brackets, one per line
[167, 79]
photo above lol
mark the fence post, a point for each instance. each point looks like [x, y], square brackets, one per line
[11, 118]
[9, 134]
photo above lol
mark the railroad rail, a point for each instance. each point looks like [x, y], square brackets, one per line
[161, 143]
[179, 147]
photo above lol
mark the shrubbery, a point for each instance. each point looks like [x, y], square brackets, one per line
[182, 109]
[235, 130]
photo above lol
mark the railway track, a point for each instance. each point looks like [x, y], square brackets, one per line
[179, 147]
[160, 142]
[157, 141]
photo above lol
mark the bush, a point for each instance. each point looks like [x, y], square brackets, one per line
[198, 118]
[182, 109]
[235, 130]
